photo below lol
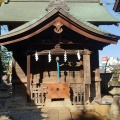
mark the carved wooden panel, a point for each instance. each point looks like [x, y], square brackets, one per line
[57, 90]
[87, 73]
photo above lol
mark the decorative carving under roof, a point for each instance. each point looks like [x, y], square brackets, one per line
[57, 4]
[58, 28]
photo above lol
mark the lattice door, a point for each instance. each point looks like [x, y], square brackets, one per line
[38, 94]
[78, 90]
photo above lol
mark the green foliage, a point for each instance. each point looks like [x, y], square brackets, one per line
[6, 56]
[116, 71]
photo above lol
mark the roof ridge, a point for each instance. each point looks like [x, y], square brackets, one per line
[84, 1]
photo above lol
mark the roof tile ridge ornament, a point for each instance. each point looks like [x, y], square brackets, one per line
[57, 4]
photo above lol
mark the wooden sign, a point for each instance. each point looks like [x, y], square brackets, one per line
[57, 90]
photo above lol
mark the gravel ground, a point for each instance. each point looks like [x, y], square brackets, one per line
[26, 115]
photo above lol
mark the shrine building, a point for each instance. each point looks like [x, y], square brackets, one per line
[55, 45]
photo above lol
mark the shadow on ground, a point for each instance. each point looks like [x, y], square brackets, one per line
[87, 116]
[23, 115]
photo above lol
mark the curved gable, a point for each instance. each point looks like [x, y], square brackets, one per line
[57, 16]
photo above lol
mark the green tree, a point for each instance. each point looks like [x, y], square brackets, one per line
[6, 57]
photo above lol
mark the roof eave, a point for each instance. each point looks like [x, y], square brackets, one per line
[67, 17]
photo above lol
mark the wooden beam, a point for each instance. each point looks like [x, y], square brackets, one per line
[28, 79]
[61, 52]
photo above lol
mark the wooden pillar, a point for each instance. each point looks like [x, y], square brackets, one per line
[87, 75]
[28, 79]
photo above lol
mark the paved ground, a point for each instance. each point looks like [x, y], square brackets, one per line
[28, 115]
[87, 116]
[52, 114]
[59, 114]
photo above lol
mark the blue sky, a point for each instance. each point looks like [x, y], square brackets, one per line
[112, 50]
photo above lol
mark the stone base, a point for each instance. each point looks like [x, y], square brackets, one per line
[102, 109]
[107, 99]
[114, 111]
[97, 98]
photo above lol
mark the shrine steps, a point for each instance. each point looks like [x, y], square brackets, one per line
[60, 104]
[21, 103]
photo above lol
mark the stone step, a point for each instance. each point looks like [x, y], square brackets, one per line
[64, 103]
[61, 113]
[55, 104]
[53, 114]
[64, 114]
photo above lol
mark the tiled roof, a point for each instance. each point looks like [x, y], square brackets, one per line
[89, 26]
[27, 10]
[91, 12]
[49, 0]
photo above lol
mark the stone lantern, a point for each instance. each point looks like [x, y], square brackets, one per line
[114, 83]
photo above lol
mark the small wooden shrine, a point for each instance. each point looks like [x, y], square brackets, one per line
[55, 48]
